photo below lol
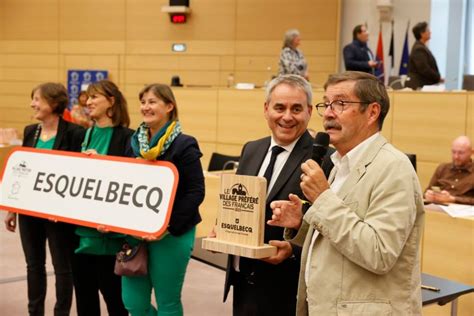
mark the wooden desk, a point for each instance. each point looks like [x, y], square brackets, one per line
[448, 252]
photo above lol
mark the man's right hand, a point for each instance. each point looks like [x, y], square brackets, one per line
[287, 214]
[10, 221]
[373, 63]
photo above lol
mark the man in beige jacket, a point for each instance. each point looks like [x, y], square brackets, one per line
[361, 236]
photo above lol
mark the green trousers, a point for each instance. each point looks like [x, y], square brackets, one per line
[167, 262]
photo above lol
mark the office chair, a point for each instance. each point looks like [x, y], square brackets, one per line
[412, 158]
[468, 82]
[395, 82]
[222, 162]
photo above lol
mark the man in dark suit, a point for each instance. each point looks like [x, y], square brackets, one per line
[262, 287]
[422, 67]
[357, 55]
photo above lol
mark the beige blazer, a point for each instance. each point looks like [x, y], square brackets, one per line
[366, 260]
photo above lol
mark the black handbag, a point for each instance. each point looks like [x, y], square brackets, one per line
[132, 261]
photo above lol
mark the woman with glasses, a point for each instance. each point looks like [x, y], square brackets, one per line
[95, 257]
[159, 137]
[48, 101]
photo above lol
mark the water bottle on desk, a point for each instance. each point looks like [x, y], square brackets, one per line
[230, 80]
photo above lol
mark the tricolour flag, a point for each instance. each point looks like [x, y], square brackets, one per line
[379, 70]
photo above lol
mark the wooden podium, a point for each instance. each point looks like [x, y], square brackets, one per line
[241, 218]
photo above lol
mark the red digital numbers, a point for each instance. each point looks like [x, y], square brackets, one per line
[178, 18]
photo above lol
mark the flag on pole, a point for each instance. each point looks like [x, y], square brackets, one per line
[379, 70]
[391, 54]
[405, 55]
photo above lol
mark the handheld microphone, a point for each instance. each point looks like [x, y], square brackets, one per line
[320, 147]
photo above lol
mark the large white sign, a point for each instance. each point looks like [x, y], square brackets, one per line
[132, 196]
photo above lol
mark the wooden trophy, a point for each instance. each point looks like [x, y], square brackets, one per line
[241, 218]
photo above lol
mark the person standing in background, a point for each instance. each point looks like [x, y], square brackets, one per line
[292, 60]
[422, 67]
[357, 55]
[48, 101]
[93, 264]
[159, 138]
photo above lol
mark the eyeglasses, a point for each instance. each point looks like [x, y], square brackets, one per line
[337, 106]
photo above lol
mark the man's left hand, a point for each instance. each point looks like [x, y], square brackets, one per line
[284, 251]
[313, 180]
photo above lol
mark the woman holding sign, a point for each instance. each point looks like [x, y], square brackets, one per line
[159, 137]
[95, 257]
[48, 101]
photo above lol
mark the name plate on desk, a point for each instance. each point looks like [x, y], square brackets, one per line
[127, 195]
[241, 218]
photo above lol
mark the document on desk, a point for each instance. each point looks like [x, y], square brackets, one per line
[459, 210]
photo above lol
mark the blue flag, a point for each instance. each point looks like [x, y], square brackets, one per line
[405, 55]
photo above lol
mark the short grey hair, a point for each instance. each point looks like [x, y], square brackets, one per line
[290, 35]
[295, 81]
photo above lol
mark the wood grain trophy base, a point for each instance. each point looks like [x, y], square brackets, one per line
[241, 218]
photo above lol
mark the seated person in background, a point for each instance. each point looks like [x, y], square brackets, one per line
[453, 182]
[80, 113]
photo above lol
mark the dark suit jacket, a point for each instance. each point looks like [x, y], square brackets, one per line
[422, 67]
[282, 277]
[184, 153]
[68, 136]
[356, 57]
[120, 144]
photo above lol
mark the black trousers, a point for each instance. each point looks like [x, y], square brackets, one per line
[94, 273]
[264, 294]
[60, 236]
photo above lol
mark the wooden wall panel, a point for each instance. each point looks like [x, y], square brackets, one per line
[320, 47]
[231, 150]
[30, 19]
[17, 88]
[197, 109]
[220, 48]
[29, 61]
[425, 171]
[321, 63]
[26, 74]
[209, 20]
[470, 116]
[29, 46]
[105, 62]
[240, 116]
[267, 64]
[424, 123]
[92, 47]
[207, 149]
[17, 114]
[89, 20]
[256, 22]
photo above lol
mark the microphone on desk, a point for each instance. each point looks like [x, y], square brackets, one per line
[320, 147]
